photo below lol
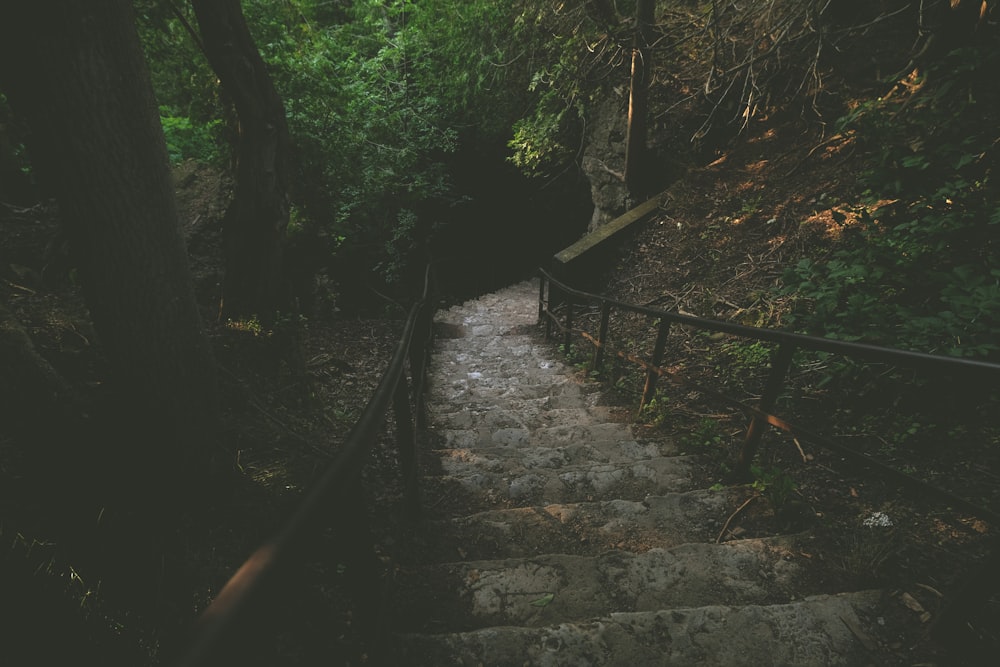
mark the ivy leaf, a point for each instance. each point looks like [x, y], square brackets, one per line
[544, 600]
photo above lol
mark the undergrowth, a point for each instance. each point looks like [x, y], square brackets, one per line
[916, 266]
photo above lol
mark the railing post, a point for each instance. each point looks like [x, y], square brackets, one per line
[602, 335]
[419, 351]
[651, 376]
[541, 297]
[364, 572]
[406, 442]
[548, 311]
[568, 331]
[780, 363]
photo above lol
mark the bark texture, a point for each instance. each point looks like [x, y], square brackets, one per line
[76, 73]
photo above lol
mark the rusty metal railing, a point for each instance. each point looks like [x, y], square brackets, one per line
[570, 301]
[231, 616]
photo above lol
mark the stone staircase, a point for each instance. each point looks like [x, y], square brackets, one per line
[558, 538]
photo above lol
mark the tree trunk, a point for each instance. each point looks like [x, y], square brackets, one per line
[638, 107]
[255, 222]
[75, 72]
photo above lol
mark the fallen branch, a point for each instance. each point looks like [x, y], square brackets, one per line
[732, 516]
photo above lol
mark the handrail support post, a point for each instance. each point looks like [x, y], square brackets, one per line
[541, 298]
[649, 390]
[602, 336]
[406, 442]
[568, 331]
[781, 361]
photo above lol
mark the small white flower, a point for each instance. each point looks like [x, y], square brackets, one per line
[878, 520]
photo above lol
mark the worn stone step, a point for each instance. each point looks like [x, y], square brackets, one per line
[517, 459]
[483, 321]
[819, 631]
[486, 381]
[580, 543]
[533, 413]
[557, 588]
[520, 486]
[457, 359]
[521, 436]
[585, 528]
[457, 392]
[517, 299]
[456, 348]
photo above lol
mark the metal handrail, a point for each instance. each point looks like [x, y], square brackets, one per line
[222, 620]
[761, 414]
[868, 352]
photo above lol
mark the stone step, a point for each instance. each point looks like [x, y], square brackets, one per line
[585, 528]
[454, 355]
[457, 392]
[819, 631]
[518, 459]
[516, 485]
[456, 348]
[494, 316]
[499, 384]
[557, 588]
[521, 436]
[519, 298]
[578, 542]
[533, 413]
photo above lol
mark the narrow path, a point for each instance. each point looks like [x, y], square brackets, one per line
[561, 539]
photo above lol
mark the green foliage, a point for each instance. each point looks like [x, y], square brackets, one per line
[190, 140]
[544, 141]
[379, 94]
[377, 97]
[185, 85]
[920, 267]
[562, 41]
[657, 410]
[749, 355]
[774, 484]
[707, 435]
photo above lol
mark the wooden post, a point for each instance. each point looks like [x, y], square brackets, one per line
[406, 441]
[541, 298]
[651, 376]
[419, 349]
[548, 312]
[780, 362]
[568, 332]
[602, 336]
[635, 136]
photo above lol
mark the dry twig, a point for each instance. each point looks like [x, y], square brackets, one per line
[732, 516]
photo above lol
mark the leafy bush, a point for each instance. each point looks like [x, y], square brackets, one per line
[377, 98]
[919, 268]
[189, 139]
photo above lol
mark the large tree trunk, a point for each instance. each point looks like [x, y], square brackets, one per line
[256, 220]
[75, 72]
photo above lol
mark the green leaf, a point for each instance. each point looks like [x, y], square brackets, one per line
[544, 600]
